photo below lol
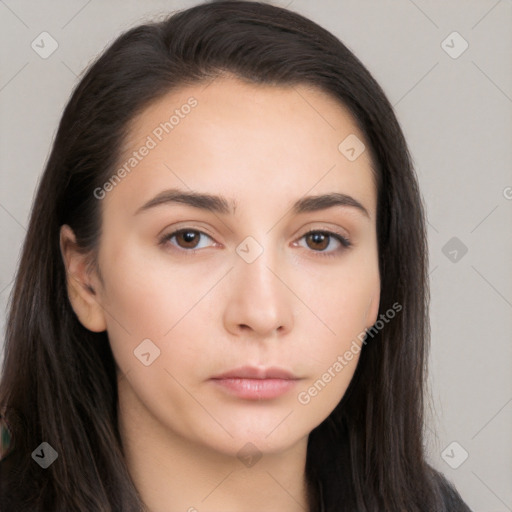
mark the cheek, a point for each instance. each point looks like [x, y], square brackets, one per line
[145, 299]
[342, 303]
[340, 337]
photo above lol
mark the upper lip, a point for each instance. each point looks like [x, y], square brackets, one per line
[252, 372]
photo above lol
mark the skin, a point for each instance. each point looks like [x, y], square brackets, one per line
[293, 307]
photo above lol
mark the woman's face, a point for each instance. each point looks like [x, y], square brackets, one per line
[242, 288]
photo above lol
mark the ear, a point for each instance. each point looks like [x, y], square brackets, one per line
[82, 284]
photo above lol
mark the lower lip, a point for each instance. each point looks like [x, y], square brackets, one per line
[256, 389]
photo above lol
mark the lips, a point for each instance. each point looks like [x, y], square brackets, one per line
[250, 383]
[250, 372]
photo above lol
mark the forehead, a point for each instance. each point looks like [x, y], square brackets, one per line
[234, 135]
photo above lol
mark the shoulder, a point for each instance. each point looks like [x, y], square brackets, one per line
[450, 500]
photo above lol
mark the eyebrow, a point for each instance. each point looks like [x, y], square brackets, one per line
[219, 204]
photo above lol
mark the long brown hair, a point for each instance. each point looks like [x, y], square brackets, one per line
[59, 382]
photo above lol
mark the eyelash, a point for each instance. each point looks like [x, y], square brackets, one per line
[345, 242]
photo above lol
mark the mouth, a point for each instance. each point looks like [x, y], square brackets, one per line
[251, 383]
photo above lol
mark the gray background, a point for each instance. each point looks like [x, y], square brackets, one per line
[456, 115]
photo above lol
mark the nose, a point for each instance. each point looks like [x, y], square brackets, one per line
[259, 304]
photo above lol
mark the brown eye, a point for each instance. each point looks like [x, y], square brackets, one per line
[186, 238]
[319, 241]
